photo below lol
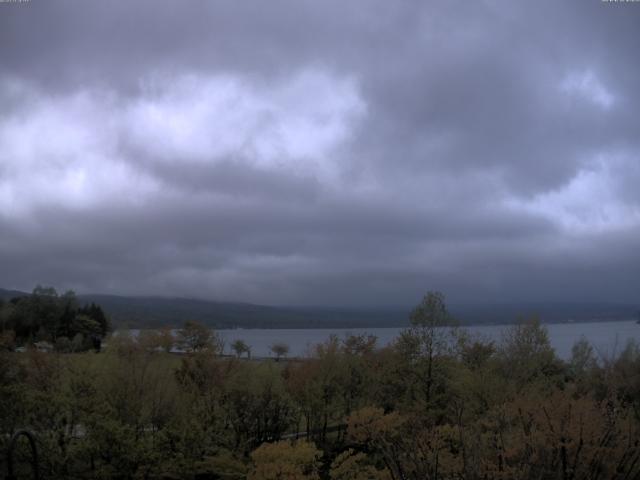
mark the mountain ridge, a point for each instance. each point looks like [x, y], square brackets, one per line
[158, 311]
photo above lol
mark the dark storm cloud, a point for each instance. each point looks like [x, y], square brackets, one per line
[321, 152]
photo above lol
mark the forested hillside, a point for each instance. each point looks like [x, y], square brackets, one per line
[157, 312]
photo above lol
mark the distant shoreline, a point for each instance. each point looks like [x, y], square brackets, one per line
[360, 327]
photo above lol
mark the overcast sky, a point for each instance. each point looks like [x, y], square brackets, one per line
[322, 152]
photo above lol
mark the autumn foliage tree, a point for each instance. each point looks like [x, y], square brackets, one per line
[194, 337]
[286, 461]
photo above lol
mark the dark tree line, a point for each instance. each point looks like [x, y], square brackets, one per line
[58, 320]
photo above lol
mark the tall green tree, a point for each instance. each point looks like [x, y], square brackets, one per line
[430, 336]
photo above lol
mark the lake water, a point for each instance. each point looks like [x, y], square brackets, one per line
[607, 338]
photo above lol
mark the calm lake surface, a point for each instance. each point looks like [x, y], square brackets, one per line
[607, 338]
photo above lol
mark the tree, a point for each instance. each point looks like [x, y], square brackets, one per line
[286, 461]
[7, 340]
[428, 337]
[5, 314]
[194, 337]
[45, 291]
[351, 465]
[95, 311]
[240, 347]
[77, 343]
[280, 349]
[582, 359]
[45, 316]
[432, 312]
[166, 339]
[86, 325]
[475, 354]
[148, 340]
[526, 352]
[359, 344]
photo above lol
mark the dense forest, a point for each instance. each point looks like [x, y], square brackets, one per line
[53, 321]
[436, 404]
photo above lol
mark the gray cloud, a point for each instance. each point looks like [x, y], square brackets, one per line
[321, 153]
